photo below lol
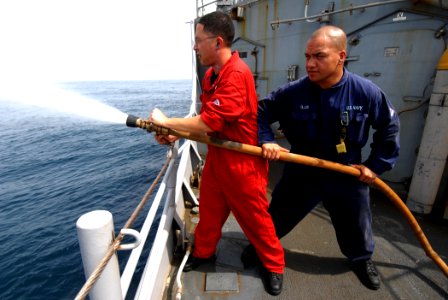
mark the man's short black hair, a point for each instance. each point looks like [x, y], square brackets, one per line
[220, 24]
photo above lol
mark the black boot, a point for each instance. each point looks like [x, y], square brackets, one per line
[273, 282]
[194, 262]
[367, 273]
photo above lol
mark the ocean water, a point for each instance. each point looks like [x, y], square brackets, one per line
[55, 166]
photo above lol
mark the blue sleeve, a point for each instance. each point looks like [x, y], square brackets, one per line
[265, 133]
[385, 146]
[269, 111]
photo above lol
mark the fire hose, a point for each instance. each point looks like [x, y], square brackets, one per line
[133, 121]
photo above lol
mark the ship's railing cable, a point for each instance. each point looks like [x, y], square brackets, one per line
[88, 285]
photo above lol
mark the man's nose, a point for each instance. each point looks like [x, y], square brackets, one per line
[310, 62]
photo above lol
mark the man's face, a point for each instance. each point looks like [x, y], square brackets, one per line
[323, 62]
[205, 46]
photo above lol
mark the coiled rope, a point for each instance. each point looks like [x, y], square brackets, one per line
[115, 245]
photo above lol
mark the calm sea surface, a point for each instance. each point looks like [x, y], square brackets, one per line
[55, 167]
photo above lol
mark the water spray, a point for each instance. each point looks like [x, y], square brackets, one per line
[133, 121]
[55, 98]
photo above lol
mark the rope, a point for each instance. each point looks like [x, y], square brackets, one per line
[88, 285]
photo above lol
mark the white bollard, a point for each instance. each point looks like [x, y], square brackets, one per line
[95, 235]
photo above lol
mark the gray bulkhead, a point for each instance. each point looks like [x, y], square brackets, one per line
[396, 45]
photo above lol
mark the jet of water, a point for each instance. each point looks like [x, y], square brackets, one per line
[53, 97]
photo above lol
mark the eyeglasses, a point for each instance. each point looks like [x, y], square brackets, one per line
[198, 41]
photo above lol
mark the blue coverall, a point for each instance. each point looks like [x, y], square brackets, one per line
[314, 120]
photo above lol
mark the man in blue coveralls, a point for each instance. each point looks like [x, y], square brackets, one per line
[327, 114]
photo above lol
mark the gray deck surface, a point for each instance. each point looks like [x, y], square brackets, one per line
[316, 269]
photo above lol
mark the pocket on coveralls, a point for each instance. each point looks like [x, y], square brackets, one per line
[357, 128]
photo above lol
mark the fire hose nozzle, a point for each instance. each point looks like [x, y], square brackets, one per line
[133, 121]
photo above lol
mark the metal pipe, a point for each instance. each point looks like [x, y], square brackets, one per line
[437, 3]
[179, 272]
[305, 160]
[278, 22]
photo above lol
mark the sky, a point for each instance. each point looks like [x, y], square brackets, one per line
[84, 40]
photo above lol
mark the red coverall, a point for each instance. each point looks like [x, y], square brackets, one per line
[233, 181]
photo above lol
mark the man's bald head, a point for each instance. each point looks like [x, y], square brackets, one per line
[334, 35]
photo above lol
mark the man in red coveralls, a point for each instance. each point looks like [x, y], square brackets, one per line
[231, 181]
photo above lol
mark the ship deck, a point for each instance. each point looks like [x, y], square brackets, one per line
[315, 267]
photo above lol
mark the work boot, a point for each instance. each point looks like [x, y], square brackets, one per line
[249, 257]
[273, 282]
[194, 262]
[367, 273]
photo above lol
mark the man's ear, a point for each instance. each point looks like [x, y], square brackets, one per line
[219, 42]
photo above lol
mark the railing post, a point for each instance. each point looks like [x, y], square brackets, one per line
[95, 235]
